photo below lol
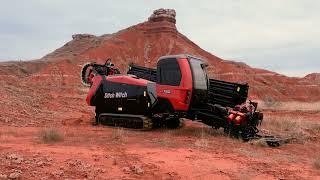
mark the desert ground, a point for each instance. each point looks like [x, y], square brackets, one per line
[78, 150]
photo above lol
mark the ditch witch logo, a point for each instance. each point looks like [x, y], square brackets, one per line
[115, 95]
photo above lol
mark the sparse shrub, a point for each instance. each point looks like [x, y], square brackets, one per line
[50, 135]
[270, 102]
[114, 162]
[316, 127]
[316, 163]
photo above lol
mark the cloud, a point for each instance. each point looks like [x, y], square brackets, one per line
[278, 35]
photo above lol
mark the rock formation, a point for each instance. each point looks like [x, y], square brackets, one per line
[82, 36]
[163, 15]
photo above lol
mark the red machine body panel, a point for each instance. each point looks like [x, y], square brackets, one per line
[96, 82]
[178, 96]
[125, 79]
[121, 79]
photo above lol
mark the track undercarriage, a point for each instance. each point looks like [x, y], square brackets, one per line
[126, 121]
[137, 121]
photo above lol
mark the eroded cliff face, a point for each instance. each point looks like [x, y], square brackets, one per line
[143, 44]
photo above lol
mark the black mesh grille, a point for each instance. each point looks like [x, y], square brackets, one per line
[226, 93]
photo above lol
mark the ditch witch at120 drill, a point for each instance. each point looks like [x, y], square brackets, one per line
[178, 88]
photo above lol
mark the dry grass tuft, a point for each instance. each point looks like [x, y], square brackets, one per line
[270, 103]
[248, 152]
[297, 128]
[166, 142]
[119, 135]
[259, 143]
[50, 135]
[197, 132]
[202, 143]
[165, 138]
[283, 124]
[202, 134]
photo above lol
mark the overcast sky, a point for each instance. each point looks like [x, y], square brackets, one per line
[279, 35]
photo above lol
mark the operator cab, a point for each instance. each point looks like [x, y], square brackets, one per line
[183, 80]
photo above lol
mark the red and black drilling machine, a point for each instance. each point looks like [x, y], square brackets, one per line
[179, 88]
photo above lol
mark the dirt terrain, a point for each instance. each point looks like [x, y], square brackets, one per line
[46, 131]
[191, 152]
